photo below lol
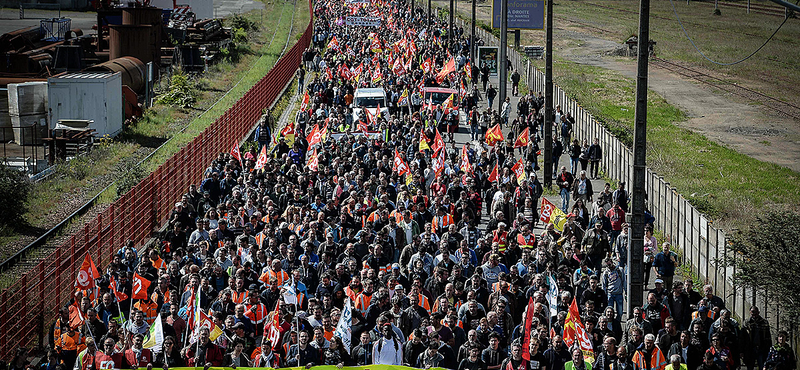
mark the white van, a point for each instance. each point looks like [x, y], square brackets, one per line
[369, 98]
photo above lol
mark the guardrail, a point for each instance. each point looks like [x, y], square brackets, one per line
[686, 228]
[28, 306]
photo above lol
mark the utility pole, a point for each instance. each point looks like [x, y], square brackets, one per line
[450, 32]
[472, 48]
[429, 14]
[548, 98]
[502, 63]
[636, 285]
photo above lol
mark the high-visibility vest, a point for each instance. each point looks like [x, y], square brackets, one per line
[526, 242]
[350, 293]
[85, 359]
[398, 216]
[239, 297]
[260, 238]
[500, 239]
[571, 365]
[57, 330]
[267, 276]
[445, 221]
[362, 302]
[159, 263]
[149, 309]
[657, 361]
[71, 343]
[710, 314]
[258, 315]
[424, 303]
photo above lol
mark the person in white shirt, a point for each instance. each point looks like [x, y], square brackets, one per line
[387, 350]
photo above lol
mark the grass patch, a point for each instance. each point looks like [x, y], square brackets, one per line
[720, 182]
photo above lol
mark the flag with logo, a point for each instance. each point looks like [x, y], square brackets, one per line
[519, 171]
[235, 153]
[549, 213]
[315, 137]
[465, 165]
[438, 143]
[438, 163]
[344, 326]
[448, 68]
[114, 287]
[426, 65]
[313, 161]
[272, 326]
[290, 294]
[526, 343]
[552, 295]
[140, 285]
[205, 322]
[400, 165]
[402, 101]
[494, 135]
[333, 44]
[524, 138]
[87, 274]
[304, 103]
[261, 161]
[155, 337]
[574, 331]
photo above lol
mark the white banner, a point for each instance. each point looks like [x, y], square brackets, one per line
[363, 21]
[343, 327]
[371, 135]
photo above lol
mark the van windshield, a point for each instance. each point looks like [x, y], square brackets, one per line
[437, 97]
[370, 101]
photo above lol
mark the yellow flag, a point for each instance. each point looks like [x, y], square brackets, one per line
[423, 145]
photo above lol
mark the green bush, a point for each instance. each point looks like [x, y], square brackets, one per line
[181, 91]
[128, 173]
[14, 189]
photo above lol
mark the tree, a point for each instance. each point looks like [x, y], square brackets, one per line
[766, 256]
[14, 189]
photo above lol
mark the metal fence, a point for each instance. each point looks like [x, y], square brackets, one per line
[687, 229]
[29, 305]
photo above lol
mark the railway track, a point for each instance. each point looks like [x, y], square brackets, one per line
[784, 108]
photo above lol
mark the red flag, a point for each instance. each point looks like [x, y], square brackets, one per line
[313, 161]
[328, 74]
[400, 165]
[519, 170]
[87, 274]
[524, 138]
[261, 161]
[438, 163]
[465, 165]
[315, 136]
[363, 127]
[140, 286]
[235, 153]
[528, 323]
[493, 175]
[446, 70]
[438, 143]
[494, 135]
[574, 331]
[120, 296]
[426, 65]
[271, 330]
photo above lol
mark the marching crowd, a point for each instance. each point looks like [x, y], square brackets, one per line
[371, 240]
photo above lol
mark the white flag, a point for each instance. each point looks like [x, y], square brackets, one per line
[552, 295]
[155, 338]
[290, 295]
[344, 327]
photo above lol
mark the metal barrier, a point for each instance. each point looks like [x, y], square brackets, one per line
[30, 304]
[686, 228]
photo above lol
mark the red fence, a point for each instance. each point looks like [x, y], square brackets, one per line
[30, 304]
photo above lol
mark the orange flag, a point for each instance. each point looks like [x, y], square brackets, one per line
[261, 161]
[140, 285]
[87, 274]
[524, 138]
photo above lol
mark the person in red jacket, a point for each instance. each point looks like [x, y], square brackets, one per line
[136, 356]
[205, 354]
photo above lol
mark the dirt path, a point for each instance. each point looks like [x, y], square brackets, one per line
[746, 127]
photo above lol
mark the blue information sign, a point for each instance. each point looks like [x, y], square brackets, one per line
[522, 14]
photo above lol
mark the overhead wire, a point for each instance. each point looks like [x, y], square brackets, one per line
[674, 11]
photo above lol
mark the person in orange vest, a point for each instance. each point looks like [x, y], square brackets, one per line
[648, 356]
[59, 326]
[239, 295]
[421, 299]
[280, 275]
[255, 310]
[442, 221]
[156, 260]
[363, 300]
[500, 236]
[69, 344]
[354, 288]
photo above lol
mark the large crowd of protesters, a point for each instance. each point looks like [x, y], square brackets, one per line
[433, 256]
